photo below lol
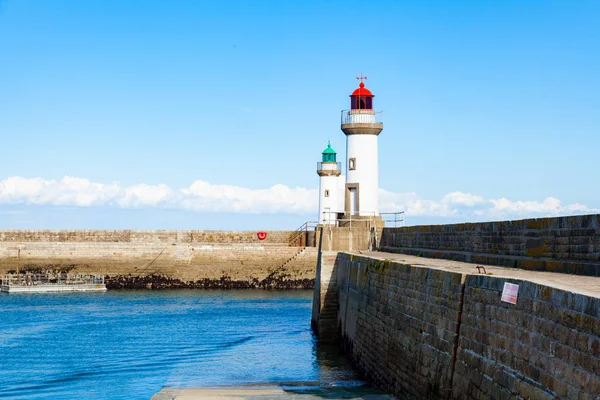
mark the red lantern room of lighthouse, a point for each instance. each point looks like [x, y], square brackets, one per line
[361, 98]
[361, 109]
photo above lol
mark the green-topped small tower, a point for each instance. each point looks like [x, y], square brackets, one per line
[329, 154]
[329, 171]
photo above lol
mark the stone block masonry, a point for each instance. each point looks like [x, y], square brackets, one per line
[162, 259]
[325, 300]
[132, 236]
[433, 329]
[400, 324]
[546, 346]
[563, 244]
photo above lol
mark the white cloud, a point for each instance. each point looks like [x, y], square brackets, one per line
[412, 204]
[462, 199]
[470, 207]
[203, 196]
[550, 206]
[143, 195]
[199, 196]
[68, 191]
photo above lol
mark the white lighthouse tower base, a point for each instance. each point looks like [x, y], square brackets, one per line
[362, 175]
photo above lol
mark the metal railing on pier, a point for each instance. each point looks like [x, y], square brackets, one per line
[337, 219]
[28, 279]
[391, 219]
[395, 218]
[299, 236]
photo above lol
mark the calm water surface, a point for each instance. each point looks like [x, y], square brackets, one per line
[126, 344]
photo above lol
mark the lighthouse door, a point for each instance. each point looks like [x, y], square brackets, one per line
[353, 201]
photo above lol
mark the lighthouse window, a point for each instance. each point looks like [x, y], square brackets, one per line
[328, 157]
[327, 193]
[358, 103]
[362, 103]
[352, 164]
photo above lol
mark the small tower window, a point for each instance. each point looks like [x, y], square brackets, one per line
[328, 157]
[327, 193]
[352, 164]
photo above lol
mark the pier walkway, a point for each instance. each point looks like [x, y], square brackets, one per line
[269, 393]
[586, 285]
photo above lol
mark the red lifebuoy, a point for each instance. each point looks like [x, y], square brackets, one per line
[262, 235]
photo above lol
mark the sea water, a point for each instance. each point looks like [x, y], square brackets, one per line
[131, 344]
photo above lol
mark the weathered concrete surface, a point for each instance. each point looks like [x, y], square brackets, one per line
[436, 329]
[585, 285]
[269, 393]
[163, 259]
[546, 346]
[563, 244]
[133, 236]
[360, 236]
[399, 324]
[324, 319]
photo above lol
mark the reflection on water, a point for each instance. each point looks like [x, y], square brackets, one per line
[131, 344]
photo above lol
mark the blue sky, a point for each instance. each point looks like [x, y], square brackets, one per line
[212, 114]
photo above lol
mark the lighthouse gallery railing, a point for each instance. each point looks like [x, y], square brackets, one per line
[361, 117]
[320, 166]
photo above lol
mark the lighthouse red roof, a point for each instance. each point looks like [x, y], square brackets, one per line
[362, 91]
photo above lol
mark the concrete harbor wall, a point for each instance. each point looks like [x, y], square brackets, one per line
[434, 333]
[348, 238]
[163, 259]
[547, 346]
[563, 244]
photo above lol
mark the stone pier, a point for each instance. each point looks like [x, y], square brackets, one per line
[423, 328]
[167, 259]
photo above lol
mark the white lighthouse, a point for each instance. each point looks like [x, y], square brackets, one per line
[329, 171]
[361, 127]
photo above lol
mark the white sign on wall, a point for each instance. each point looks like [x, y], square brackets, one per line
[510, 293]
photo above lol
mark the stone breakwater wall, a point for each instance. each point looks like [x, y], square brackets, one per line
[563, 244]
[132, 236]
[425, 333]
[547, 346]
[166, 259]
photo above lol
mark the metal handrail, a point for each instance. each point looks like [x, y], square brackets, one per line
[29, 279]
[398, 218]
[372, 225]
[336, 220]
[302, 230]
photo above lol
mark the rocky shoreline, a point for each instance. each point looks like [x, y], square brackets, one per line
[160, 282]
[279, 279]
